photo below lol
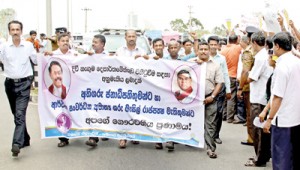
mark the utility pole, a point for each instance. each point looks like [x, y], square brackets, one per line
[86, 10]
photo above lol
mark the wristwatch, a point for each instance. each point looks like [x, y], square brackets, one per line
[213, 97]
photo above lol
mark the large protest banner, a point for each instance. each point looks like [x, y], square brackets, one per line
[121, 98]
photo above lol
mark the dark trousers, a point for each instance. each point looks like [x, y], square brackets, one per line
[18, 94]
[285, 148]
[246, 98]
[230, 108]
[64, 139]
[210, 125]
[241, 109]
[220, 99]
[261, 140]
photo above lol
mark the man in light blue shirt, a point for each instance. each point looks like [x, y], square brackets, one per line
[225, 91]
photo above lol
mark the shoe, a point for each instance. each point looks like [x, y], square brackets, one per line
[15, 150]
[247, 143]
[122, 144]
[218, 141]
[63, 143]
[158, 146]
[91, 142]
[104, 139]
[135, 142]
[211, 154]
[229, 121]
[170, 146]
[238, 122]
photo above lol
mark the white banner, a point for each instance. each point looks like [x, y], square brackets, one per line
[121, 98]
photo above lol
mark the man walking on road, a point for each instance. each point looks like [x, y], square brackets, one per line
[16, 56]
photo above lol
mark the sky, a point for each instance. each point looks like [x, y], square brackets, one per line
[155, 14]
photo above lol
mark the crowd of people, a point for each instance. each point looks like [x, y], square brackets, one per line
[249, 76]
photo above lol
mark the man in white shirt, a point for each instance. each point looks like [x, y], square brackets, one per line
[43, 42]
[16, 55]
[131, 49]
[258, 77]
[285, 107]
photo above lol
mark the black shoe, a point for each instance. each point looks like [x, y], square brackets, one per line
[104, 139]
[15, 150]
[218, 141]
[246, 143]
[91, 142]
[170, 146]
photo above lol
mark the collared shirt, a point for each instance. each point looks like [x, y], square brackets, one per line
[286, 83]
[260, 73]
[220, 59]
[124, 51]
[57, 91]
[213, 76]
[69, 52]
[16, 59]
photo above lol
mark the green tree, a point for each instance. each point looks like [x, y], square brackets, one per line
[221, 30]
[6, 15]
[180, 26]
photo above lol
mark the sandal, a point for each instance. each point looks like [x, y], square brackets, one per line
[135, 142]
[91, 142]
[250, 163]
[158, 146]
[122, 144]
[211, 154]
[62, 143]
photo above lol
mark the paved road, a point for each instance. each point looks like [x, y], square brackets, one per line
[44, 153]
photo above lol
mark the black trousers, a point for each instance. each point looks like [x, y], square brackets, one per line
[18, 94]
[220, 99]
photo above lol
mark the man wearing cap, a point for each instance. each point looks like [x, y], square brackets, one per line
[244, 87]
[53, 39]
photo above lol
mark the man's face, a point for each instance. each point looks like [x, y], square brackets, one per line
[158, 47]
[33, 36]
[63, 43]
[56, 76]
[184, 81]
[188, 46]
[213, 45]
[15, 30]
[97, 45]
[203, 52]
[173, 49]
[130, 38]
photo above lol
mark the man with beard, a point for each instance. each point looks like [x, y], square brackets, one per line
[57, 88]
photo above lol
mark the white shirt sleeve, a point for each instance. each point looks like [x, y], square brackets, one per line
[281, 79]
[256, 70]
